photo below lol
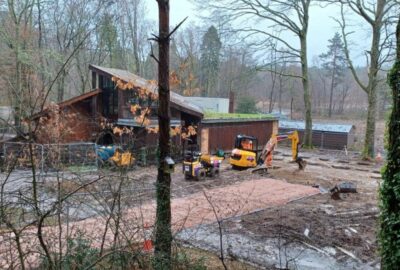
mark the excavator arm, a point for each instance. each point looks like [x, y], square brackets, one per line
[267, 153]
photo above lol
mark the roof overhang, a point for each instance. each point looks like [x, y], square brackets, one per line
[68, 102]
[237, 120]
[153, 123]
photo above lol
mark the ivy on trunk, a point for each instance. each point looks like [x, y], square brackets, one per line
[389, 235]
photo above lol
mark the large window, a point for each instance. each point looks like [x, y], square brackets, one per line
[110, 97]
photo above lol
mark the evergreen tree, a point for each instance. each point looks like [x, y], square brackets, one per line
[334, 63]
[209, 61]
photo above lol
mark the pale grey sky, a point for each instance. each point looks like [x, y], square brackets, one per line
[322, 27]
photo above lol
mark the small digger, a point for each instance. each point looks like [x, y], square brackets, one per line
[198, 166]
[244, 155]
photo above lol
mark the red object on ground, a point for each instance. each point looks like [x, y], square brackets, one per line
[148, 245]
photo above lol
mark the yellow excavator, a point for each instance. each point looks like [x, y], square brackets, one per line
[244, 155]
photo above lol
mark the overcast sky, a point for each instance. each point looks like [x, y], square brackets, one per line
[322, 27]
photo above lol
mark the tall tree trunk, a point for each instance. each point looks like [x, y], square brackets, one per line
[389, 192]
[163, 215]
[280, 94]
[330, 99]
[61, 87]
[133, 28]
[271, 94]
[135, 43]
[291, 108]
[332, 86]
[369, 143]
[306, 89]
[17, 100]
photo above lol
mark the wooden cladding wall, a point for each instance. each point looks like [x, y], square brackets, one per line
[328, 140]
[74, 123]
[222, 135]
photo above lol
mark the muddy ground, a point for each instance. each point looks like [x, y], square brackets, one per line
[340, 233]
[316, 232]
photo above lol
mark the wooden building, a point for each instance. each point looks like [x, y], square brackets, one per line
[220, 133]
[324, 135]
[115, 104]
[73, 120]
[80, 117]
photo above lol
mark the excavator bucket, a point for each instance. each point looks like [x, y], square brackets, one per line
[302, 163]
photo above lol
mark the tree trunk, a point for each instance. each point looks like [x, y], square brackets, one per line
[291, 108]
[280, 94]
[17, 100]
[135, 42]
[332, 86]
[369, 143]
[306, 89]
[389, 192]
[271, 94]
[330, 100]
[61, 87]
[163, 235]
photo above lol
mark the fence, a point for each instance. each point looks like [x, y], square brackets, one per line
[50, 157]
[72, 157]
[149, 155]
[7, 132]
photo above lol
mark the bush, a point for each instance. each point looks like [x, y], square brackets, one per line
[79, 255]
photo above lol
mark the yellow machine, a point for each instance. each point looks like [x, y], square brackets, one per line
[198, 166]
[114, 156]
[122, 159]
[245, 153]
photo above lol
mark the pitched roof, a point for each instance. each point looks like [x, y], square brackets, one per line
[325, 127]
[84, 96]
[177, 100]
[67, 102]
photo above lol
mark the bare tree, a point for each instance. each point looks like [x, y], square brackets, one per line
[377, 17]
[17, 34]
[284, 16]
[134, 21]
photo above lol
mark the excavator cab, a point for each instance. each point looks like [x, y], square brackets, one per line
[244, 155]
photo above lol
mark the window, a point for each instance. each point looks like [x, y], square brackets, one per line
[110, 97]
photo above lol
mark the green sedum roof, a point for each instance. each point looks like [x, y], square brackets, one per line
[254, 116]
